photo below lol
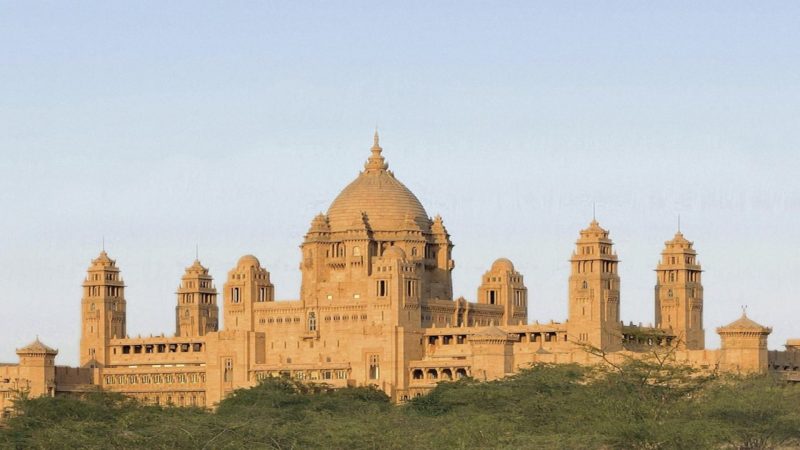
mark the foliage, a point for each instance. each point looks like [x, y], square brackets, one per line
[637, 404]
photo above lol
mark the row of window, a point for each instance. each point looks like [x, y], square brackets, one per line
[263, 295]
[110, 276]
[435, 374]
[672, 276]
[172, 399]
[340, 374]
[110, 291]
[161, 348]
[156, 378]
[205, 299]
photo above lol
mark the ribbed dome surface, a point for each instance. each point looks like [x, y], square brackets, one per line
[386, 201]
[388, 204]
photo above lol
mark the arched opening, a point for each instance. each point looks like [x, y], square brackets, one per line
[461, 373]
[417, 374]
[447, 374]
[432, 374]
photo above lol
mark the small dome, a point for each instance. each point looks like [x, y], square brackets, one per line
[394, 252]
[502, 264]
[248, 260]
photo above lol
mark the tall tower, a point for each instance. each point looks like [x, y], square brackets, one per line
[196, 313]
[102, 310]
[594, 291]
[679, 293]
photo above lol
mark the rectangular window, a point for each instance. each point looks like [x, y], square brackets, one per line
[382, 289]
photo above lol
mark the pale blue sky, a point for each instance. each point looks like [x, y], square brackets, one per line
[231, 124]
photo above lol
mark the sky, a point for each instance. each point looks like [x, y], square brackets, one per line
[162, 126]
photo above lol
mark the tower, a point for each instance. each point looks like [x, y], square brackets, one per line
[102, 310]
[37, 362]
[248, 284]
[594, 291]
[503, 285]
[744, 346]
[196, 313]
[679, 293]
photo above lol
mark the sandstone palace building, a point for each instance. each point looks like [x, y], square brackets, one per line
[376, 307]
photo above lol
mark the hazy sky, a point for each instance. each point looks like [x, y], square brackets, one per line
[161, 125]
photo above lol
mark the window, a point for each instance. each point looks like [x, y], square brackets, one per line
[356, 251]
[409, 288]
[228, 371]
[235, 295]
[374, 367]
[382, 288]
[585, 285]
[492, 297]
[262, 294]
[312, 321]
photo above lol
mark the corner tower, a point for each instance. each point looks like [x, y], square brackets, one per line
[102, 310]
[196, 313]
[679, 293]
[594, 291]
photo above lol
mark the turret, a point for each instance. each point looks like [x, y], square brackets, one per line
[102, 310]
[744, 346]
[503, 285]
[438, 256]
[248, 283]
[679, 293]
[594, 291]
[37, 364]
[196, 313]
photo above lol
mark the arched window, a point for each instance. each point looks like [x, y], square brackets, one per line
[374, 367]
[413, 251]
[312, 321]
[235, 296]
[585, 285]
[356, 251]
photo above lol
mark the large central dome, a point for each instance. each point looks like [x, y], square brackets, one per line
[387, 203]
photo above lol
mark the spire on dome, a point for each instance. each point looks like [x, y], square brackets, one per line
[376, 161]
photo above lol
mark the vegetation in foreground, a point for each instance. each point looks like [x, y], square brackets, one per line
[638, 405]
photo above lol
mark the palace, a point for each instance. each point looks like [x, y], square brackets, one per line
[376, 307]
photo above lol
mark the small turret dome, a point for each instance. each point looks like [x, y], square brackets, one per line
[502, 264]
[248, 260]
[394, 252]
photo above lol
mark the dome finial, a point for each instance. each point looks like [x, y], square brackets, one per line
[376, 162]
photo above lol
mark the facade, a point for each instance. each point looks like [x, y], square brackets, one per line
[376, 307]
